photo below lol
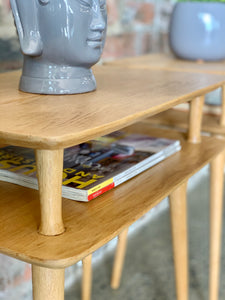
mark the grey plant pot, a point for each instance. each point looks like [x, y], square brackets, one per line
[197, 30]
[60, 40]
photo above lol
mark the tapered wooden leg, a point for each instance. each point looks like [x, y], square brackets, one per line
[48, 284]
[222, 117]
[195, 119]
[87, 278]
[50, 170]
[178, 213]
[119, 259]
[216, 208]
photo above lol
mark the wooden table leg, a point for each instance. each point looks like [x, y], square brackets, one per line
[50, 170]
[195, 120]
[87, 277]
[48, 284]
[222, 117]
[178, 213]
[119, 259]
[216, 208]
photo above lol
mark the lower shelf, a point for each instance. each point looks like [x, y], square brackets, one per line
[178, 119]
[91, 225]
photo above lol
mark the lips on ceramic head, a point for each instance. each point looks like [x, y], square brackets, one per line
[95, 41]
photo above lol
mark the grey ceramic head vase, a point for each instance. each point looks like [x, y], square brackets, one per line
[61, 40]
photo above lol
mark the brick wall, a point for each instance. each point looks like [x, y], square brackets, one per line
[135, 27]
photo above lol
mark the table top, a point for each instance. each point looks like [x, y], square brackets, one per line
[91, 225]
[169, 62]
[122, 98]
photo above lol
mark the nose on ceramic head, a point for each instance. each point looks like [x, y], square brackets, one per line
[99, 17]
[98, 23]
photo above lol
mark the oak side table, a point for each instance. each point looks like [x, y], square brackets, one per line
[178, 119]
[52, 233]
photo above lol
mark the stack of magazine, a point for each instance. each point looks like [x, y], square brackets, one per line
[92, 168]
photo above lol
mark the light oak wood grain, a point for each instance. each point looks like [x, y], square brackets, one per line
[122, 98]
[163, 61]
[48, 284]
[119, 259]
[192, 122]
[49, 172]
[87, 277]
[195, 120]
[90, 225]
[51, 123]
[178, 216]
[179, 120]
[170, 63]
[222, 117]
[216, 213]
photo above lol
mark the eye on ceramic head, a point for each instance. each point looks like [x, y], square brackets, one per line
[102, 4]
[44, 2]
[94, 4]
[86, 3]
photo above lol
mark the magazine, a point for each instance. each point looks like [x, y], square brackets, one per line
[91, 168]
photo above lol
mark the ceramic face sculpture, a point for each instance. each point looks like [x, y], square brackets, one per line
[60, 40]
